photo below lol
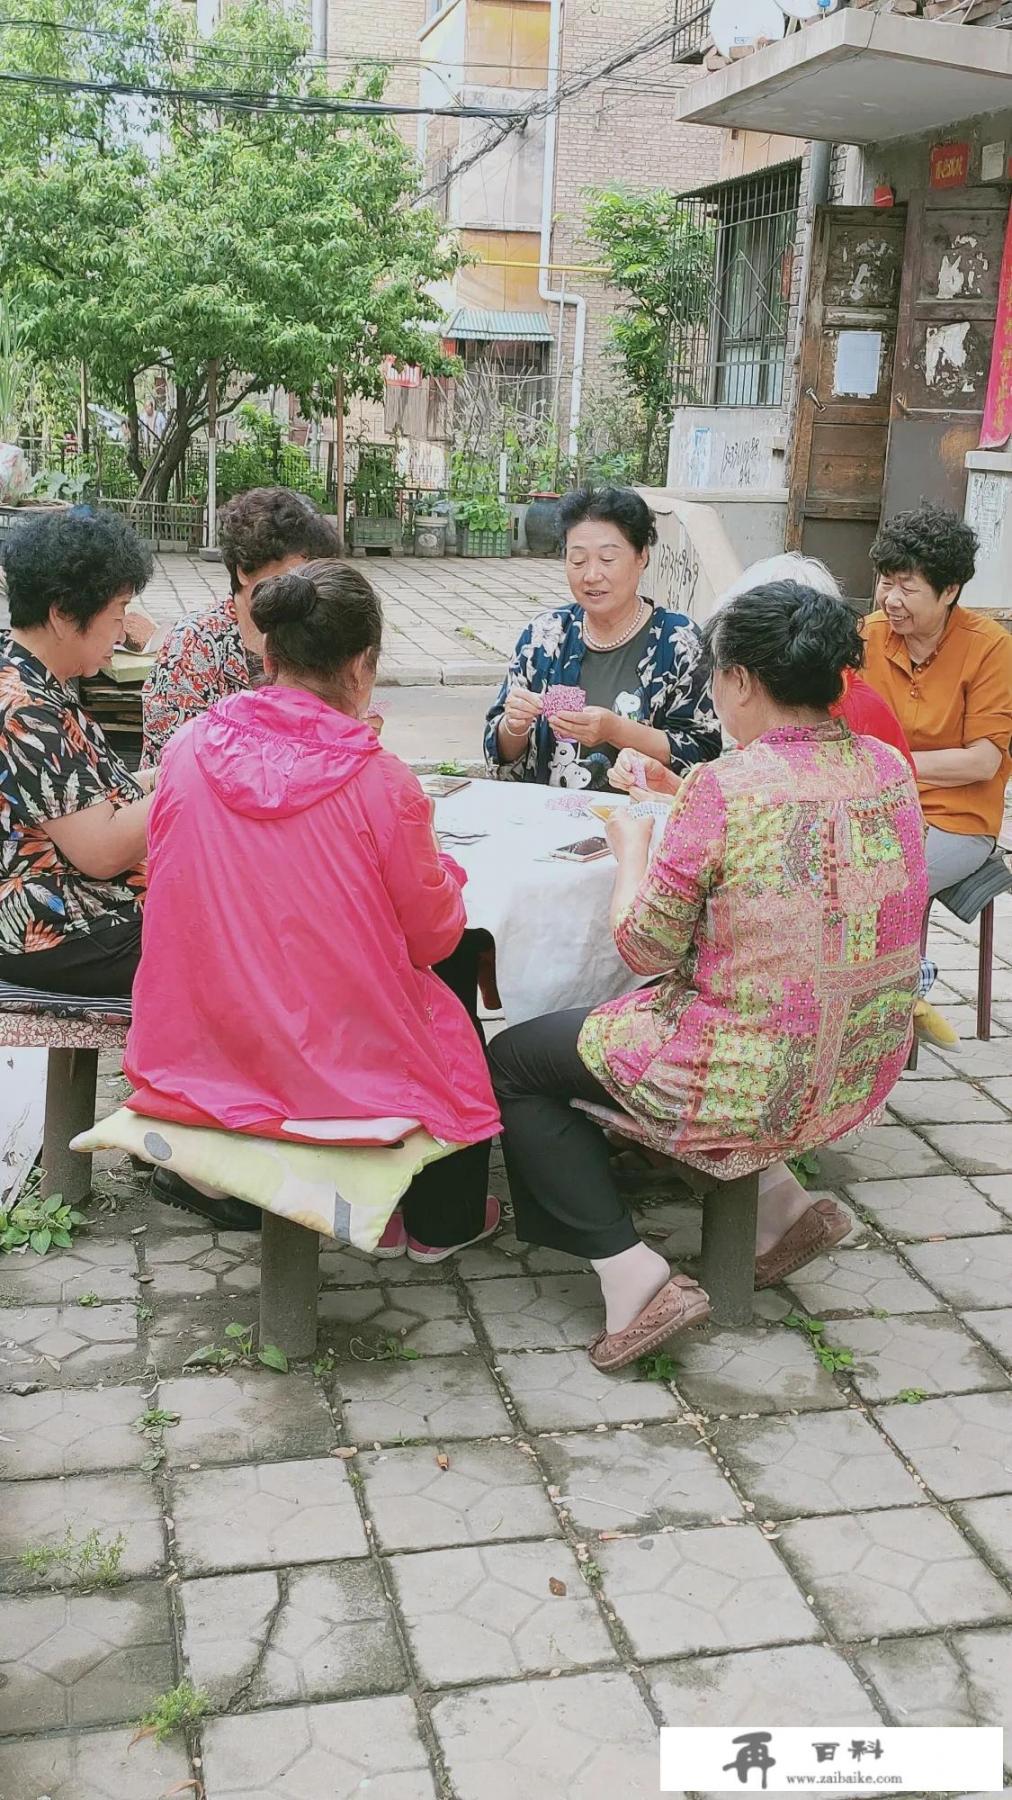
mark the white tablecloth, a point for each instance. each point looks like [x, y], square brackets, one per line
[549, 919]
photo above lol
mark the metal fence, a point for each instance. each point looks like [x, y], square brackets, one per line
[692, 30]
[732, 275]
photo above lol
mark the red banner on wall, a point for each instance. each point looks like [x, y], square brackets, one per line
[949, 165]
[996, 425]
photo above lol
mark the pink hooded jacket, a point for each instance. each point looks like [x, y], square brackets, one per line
[295, 904]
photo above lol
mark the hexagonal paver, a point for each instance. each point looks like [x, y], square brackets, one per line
[926, 1206]
[486, 1491]
[39, 1514]
[722, 1587]
[70, 1432]
[975, 1149]
[943, 1103]
[83, 1659]
[102, 1765]
[250, 1416]
[977, 1059]
[925, 1682]
[183, 1247]
[583, 1737]
[968, 1271]
[437, 1398]
[962, 1447]
[91, 1267]
[638, 1480]
[892, 1571]
[505, 1255]
[302, 1634]
[996, 1330]
[804, 1684]
[564, 1389]
[925, 1352]
[816, 1463]
[70, 1343]
[673, 1229]
[267, 1514]
[490, 1611]
[342, 1750]
[990, 1521]
[428, 1319]
[997, 1188]
[754, 1370]
[861, 1281]
[542, 1312]
[875, 1154]
[341, 1265]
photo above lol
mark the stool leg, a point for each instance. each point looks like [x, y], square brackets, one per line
[289, 1280]
[71, 1080]
[727, 1264]
[985, 963]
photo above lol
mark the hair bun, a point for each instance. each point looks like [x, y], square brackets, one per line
[283, 600]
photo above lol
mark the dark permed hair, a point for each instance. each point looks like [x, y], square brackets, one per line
[928, 541]
[265, 525]
[315, 619]
[794, 640]
[614, 506]
[78, 561]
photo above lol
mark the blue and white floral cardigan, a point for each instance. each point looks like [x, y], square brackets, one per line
[673, 693]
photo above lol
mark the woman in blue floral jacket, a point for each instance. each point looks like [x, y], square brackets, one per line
[637, 667]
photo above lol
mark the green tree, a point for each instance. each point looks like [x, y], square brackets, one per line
[662, 261]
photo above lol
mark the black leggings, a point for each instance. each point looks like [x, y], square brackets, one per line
[445, 1204]
[563, 1190]
[102, 960]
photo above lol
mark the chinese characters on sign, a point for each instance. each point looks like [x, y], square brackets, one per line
[949, 166]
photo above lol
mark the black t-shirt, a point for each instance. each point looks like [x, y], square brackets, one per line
[609, 678]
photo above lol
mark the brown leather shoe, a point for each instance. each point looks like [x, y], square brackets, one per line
[817, 1230]
[680, 1303]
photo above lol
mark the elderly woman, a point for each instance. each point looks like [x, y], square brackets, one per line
[779, 921]
[635, 669]
[947, 673]
[72, 817]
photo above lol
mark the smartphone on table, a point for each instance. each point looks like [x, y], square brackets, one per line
[586, 850]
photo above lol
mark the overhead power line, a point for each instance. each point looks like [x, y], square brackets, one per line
[232, 99]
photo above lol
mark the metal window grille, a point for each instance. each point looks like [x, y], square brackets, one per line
[732, 271]
[691, 30]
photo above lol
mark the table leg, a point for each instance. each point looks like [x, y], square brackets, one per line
[71, 1079]
[727, 1263]
[289, 1281]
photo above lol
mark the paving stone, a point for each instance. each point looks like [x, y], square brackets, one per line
[721, 1587]
[754, 1370]
[926, 1206]
[180, 1247]
[804, 1684]
[301, 1634]
[876, 1153]
[968, 1271]
[71, 1432]
[925, 1351]
[540, 1312]
[963, 1018]
[925, 1681]
[885, 1572]
[83, 1659]
[91, 1267]
[976, 1058]
[249, 1416]
[341, 1751]
[57, 1344]
[997, 1189]
[996, 1330]
[265, 1515]
[344, 1266]
[429, 1319]
[943, 1103]
[553, 1392]
[488, 1610]
[439, 1398]
[583, 1737]
[961, 1447]
[488, 1491]
[638, 1480]
[861, 1281]
[991, 1522]
[1000, 1087]
[182, 1323]
[90, 1765]
[505, 1255]
[976, 1149]
[816, 1463]
[673, 1229]
[41, 1513]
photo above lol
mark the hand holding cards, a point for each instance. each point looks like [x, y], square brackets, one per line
[563, 700]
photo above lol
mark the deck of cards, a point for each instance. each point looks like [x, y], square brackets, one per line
[562, 700]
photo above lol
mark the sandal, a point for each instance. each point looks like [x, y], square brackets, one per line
[817, 1230]
[680, 1303]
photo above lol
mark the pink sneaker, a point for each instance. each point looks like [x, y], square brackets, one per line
[429, 1253]
[394, 1241]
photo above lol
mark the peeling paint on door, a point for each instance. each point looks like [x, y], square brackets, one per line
[945, 358]
[960, 273]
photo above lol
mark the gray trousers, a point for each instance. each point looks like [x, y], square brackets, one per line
[952, 855]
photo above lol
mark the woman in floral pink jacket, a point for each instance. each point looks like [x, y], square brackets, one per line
[780, 924]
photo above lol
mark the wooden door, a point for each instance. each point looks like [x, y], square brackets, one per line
[943, 348]
[842, 415]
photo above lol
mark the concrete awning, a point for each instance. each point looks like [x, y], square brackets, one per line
[859, 77]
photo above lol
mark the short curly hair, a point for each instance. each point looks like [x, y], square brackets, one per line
[793, 639]
[78, 561]
[265, 525]
[928, 541]
[619, 506]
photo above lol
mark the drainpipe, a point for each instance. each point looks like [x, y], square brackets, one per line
[558, 296]
[318, 18]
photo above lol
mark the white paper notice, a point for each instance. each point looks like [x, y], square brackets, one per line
[858, 358]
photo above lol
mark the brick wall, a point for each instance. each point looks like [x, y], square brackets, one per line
[384, 28]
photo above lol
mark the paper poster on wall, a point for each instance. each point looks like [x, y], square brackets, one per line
[858, 360]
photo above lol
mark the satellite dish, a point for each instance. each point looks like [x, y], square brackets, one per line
[806, 9]
[735, 23]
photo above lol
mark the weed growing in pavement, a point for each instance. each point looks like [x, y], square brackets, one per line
[238, 1349]
[660, 1367]
[183, 1706]
[91, 1562]
[39, 1225]
[830, 1358]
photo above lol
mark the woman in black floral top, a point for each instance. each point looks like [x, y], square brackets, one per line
[72, 817]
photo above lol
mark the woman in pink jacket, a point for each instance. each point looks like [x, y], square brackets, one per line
[297, 900]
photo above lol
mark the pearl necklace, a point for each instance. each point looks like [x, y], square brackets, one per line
[616, 643]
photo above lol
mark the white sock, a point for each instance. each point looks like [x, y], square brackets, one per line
[629, 1282]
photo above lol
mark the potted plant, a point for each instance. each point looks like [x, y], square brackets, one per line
[483, 527]
[374, 522]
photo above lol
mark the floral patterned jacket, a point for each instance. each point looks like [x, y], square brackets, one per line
[674, 697]
[201, 661]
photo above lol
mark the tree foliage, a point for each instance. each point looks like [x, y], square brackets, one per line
[169, 235]
[663, 262]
